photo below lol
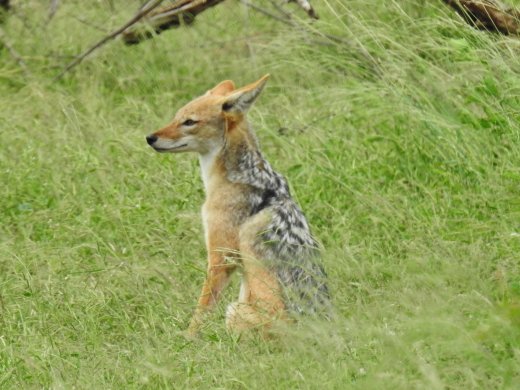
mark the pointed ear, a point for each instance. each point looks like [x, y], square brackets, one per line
[241, 99]
[222, 88]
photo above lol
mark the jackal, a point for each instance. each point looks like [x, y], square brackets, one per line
[249, 216]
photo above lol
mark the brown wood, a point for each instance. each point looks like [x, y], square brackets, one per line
[488, 15]
[182, 12]
[164, 18]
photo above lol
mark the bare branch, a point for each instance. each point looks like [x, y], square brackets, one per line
[142, 13]
[170, 17]
[181, 12]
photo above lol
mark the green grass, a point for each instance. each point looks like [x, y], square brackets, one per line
[406, 162]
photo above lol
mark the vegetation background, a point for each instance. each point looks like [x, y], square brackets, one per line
[402, 145]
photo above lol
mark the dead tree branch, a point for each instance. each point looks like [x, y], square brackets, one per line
[488, 15]
[170, 16]
[181, 12]
[164, 18]
[142, 13]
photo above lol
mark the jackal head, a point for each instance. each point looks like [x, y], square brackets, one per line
[202, 124]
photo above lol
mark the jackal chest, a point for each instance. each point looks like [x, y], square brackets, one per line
[223, 212]
[226, 207]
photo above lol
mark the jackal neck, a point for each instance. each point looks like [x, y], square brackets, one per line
[223, 159]
[240, 143]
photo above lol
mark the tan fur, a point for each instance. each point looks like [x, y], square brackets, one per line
[260, 302]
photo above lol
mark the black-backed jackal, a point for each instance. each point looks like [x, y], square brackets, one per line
[249, 215]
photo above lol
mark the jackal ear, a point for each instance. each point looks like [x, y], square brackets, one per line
[240, 100]
[222, 88]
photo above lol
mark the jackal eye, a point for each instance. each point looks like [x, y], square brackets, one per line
[189, 122]
[227, 106]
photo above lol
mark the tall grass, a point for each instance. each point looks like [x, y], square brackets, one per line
[401, 144]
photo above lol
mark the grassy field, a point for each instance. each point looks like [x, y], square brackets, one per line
[402, 145]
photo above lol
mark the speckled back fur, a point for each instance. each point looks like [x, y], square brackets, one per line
[286, 244]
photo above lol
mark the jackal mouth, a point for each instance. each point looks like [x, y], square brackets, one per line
[165, 150]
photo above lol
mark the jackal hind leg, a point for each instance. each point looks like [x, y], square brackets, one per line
[260, 302]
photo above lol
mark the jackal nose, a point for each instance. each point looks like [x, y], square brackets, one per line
[151, 139]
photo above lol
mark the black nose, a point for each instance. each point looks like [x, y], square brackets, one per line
[151, 139]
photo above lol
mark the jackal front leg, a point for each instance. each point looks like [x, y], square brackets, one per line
[217, 278]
